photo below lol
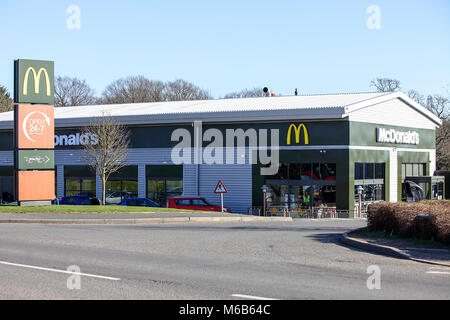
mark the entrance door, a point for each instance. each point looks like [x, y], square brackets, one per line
[290, 196]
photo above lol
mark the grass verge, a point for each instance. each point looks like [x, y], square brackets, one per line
[85, 209]
[365, 233]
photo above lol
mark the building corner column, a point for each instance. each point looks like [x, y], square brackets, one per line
[393, 175]
[98, 188]
[60, 183]
[141, 181]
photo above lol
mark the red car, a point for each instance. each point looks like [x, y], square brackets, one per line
[193, 203]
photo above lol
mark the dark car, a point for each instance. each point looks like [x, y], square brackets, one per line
[79, 201]
[139, 202]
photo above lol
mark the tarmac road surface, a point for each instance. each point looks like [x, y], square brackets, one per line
[302, 259]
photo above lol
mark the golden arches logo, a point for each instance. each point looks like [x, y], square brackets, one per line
[297, 131]
[36, 78]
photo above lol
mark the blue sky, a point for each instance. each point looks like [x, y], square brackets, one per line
[227, 45]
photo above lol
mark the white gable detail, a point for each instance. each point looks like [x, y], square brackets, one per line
[394, 112]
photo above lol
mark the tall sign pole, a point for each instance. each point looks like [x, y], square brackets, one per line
[220, 188]
[34, 130]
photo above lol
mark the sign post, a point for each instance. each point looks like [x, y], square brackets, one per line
[220, 188]
[34, 130]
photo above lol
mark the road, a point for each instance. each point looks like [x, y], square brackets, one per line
[280, 260]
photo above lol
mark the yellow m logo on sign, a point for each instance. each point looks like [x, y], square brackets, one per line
[36, 78]
[297, 133]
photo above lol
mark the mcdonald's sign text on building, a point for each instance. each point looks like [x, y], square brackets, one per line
[34, 81]
[297, 134]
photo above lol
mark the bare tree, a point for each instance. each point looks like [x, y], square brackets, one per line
[6, 103]
[416, 96]
[385, 84]
[181, 90]
[108, 147]
[440, 106]
[73, 92]
[133, 90]
[246, 93]
[443, 145]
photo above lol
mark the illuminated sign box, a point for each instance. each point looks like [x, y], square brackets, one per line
[36, 185]
[35, 126]
[34, 81]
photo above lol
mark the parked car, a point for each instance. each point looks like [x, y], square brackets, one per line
[79, 201]
[116, 197]
[7, 197]
[193, 203]
[139, 202]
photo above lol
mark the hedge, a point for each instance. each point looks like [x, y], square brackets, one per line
[400, 218]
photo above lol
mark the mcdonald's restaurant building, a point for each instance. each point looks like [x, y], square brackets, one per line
[326, 147]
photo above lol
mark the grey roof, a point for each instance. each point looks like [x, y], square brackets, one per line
[322, 106]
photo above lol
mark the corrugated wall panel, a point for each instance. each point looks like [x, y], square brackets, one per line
[141, 181]
[236, 178]
[395, 113]
[6, 158]
[190, 180]
[60, 181]
[135, 156]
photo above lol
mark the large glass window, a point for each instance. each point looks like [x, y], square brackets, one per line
[328, 171]
[370, 177]
[161, 189]
[369, 171]
[282, 173]
[164, 181]
[122, 184]
[118, 190]
[302, 185]
[79, 180]
[359, 171]
[379, 171]
[413, 170]
[80, 186]
[6, 184]
[174, 188]
[305, 171]
[371, 192]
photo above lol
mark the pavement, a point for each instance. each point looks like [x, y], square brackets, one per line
[131, 218]
[300, 259]
[402, 249]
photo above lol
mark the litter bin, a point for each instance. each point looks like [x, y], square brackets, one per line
[423, 227]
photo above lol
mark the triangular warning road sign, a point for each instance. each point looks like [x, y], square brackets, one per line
[220, 188]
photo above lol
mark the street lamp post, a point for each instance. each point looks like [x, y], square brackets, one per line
[264, 189]
[360, 191]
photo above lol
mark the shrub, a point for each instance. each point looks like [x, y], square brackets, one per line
[399, 218]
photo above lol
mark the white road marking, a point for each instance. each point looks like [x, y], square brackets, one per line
[59, 271]
[251, 297]
[439, 272]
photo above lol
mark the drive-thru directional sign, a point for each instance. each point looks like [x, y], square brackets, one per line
[35, 159]
[220, 188]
